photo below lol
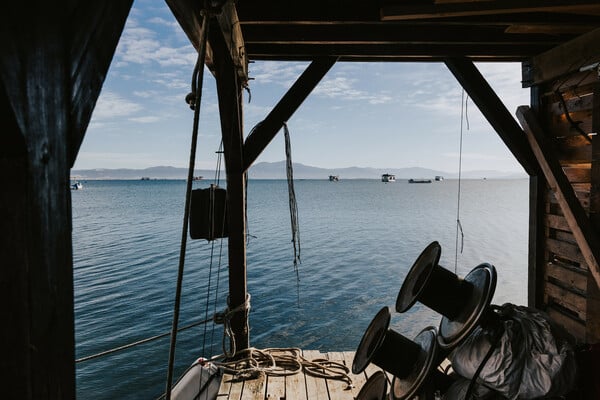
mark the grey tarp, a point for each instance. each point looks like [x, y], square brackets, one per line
[531, 359]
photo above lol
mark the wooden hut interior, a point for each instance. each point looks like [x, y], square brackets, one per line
[55, 58]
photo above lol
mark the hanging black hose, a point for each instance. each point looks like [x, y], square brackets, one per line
[196, 96]
[292, 198]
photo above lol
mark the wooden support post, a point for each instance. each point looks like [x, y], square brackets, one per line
[53, 62]
[580, 225]
[36, 278]
[494, 110]
[289, 103]
[229, 90]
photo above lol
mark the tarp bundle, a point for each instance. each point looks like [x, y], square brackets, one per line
[530, 358]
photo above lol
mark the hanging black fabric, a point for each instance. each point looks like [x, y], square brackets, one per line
[292, 197]
[208, 213]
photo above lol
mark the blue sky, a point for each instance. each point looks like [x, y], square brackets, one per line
[382, 115]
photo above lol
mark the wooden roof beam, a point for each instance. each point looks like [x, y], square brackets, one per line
[266, 130]
[188, 14]
[563, 60]
[586, 237]
[394, 10]
[494, 110]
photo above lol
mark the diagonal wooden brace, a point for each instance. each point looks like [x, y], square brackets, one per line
[579, 223]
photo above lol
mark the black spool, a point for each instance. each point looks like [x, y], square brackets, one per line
[409, 361]
[461, 302]
[375, 388]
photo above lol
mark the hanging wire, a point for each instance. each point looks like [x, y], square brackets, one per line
[459, 229]
[197, 79]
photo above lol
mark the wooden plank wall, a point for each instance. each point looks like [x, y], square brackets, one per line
[570, 294]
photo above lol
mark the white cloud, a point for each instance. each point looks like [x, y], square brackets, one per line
[111, 105]
[145, 120]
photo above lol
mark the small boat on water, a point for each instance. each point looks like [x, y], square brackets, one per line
[439, 178]
[419, 180]
[334, 178]
[145, 178]
[76, 186]
[388, 178]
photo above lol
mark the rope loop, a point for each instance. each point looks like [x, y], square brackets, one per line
[224, 318]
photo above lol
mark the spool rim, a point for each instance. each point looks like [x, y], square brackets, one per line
[427, 339]
[452, 331]
[371, 340]
[418, 276]
[375, 388]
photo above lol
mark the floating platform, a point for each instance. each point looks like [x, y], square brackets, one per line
[300, 386]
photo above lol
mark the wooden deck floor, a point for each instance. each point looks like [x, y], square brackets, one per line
[299, 386]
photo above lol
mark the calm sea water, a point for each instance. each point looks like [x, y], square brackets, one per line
[358, 240]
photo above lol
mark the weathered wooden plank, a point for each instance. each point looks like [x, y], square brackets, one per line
[225, 387]
[579, 103]
[394, 11]
[563, 236]
[255, 389]
[275, 387]
[578, 174]
[494, 110]
[337, 388]
[236, 390]
[316, 388]
[559, 126]
[580, 225]
[566, 250]
[573, 150]
[557, 222]
[574, 327]
[569, 300]
[266, 130]
[583, 197]
[357, 380]
[569, 277]
[564, 59]
[295, 387]
[593, 289]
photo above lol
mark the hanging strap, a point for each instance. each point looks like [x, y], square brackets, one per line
[196, 95]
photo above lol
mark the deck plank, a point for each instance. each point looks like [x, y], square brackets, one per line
[357, 380]
[316, 388]
[254, 389]
[275, 389]
[338, 389]
[225, 387]
[299, 386]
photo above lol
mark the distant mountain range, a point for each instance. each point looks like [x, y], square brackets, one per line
[276, 170]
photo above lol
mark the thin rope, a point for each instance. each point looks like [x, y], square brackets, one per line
[139, 342]
[292, 199]
[459, 228]
[197, 78]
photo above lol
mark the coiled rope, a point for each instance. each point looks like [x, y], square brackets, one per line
[283, 362]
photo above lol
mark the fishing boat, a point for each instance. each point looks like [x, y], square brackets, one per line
[388, 178]
[439, 178]
[58, 58]
[420, 180]
[77, 186]
[334, 178]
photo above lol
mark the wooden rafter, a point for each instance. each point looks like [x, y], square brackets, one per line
[564, 59]
[494, 110]
[583, 231]
[266, 130]
[392, 10]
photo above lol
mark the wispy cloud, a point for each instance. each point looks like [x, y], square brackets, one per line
[111, 105]
[141, 45]
[145, 120]
[345, 88]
